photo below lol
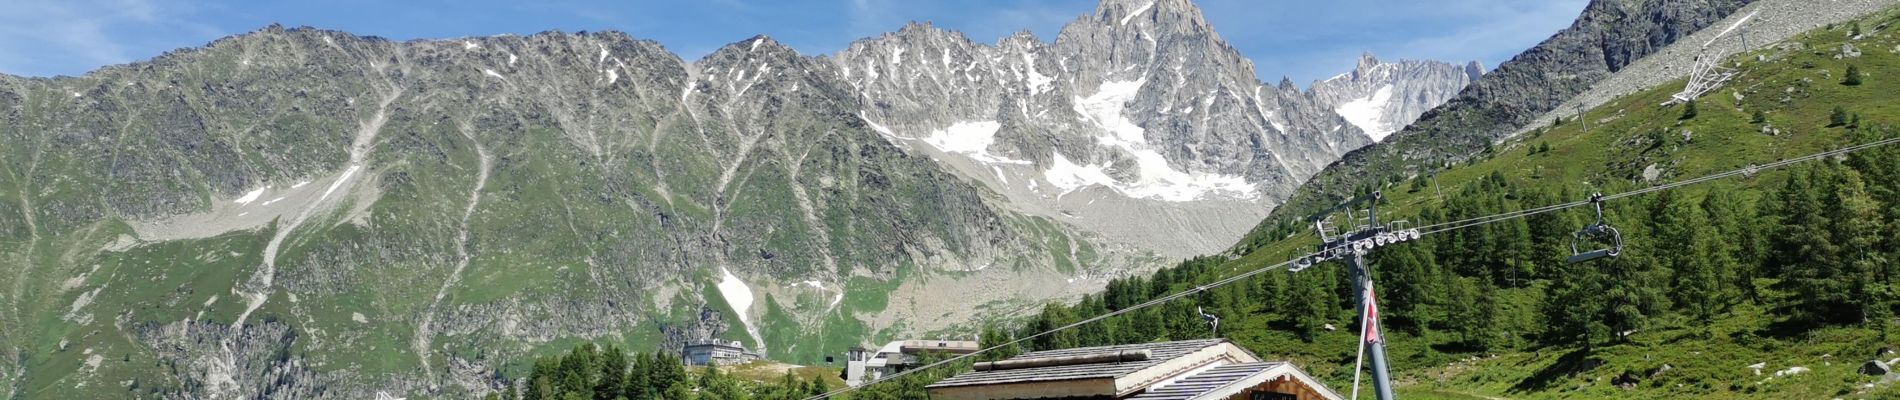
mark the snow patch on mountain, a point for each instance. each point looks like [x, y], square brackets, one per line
[252, 196]
[972, 139]
[1104, 108]
[1161, 183]
[1131, 16]
[1038, 82]
[1368, 112]
[1156, 180]
[739, 296]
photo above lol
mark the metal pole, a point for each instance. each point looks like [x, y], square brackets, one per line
[1381, 377]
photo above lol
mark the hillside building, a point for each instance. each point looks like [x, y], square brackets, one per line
[716, 352]
[865, 365]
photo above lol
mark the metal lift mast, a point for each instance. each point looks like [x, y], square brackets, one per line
[1351, 246]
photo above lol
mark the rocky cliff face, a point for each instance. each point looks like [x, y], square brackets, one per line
[312, 213]
[1138, 122]
[308, 213]
[1381, 98]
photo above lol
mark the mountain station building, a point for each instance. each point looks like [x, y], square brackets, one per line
[865, 365]
[716, 352]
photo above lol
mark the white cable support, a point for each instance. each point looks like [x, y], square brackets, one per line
[1421, 231]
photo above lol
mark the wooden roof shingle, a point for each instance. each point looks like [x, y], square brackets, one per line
[1207, 381]
[1161, 352]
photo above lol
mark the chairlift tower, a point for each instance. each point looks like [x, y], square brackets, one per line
[1707, 74]
[1362, 236]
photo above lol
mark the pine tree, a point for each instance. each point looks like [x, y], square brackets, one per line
[1700, 288]
[542, 383]
[1759, 117]
[1728, 239]
[1053, 316]
[1632, 296]
[1408, 286]
[1689, 110]
[1857, 230]
[1091, 334]
[1468, 315]
[1309, 302]
[666, 372]
[1804, 253]
[1837, 118]
[578, 372]
[639, 382]
[816, 387]
[1880, 170]
[612, 378]
[1272, 290]
[1573, 305]
[717, 385]
[1853, 76]
[993, 335]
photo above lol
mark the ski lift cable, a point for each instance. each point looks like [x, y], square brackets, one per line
[1423, 231]
[1757, 168]
[1747, 170]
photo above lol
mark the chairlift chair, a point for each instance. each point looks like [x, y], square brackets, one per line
[1598, 234]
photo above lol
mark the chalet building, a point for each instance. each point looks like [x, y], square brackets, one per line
[1186, 370]
[865, 365]
[716, 352]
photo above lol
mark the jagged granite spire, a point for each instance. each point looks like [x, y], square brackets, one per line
[1132, 113]
[1381, 98]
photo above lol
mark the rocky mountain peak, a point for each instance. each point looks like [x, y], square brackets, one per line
[1160, 12]
[1366, 62]
[1380, 98]
[1130, 111]
[759, 46]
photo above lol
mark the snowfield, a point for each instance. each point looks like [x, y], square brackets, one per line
[1156, 179]
[252, 196]
[969, 138]
[1368, 113]
[739, 296]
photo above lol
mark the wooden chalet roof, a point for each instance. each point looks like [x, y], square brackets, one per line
[1207, 381]
[1161, 352]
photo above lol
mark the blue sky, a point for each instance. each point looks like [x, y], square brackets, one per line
[1303, 39]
